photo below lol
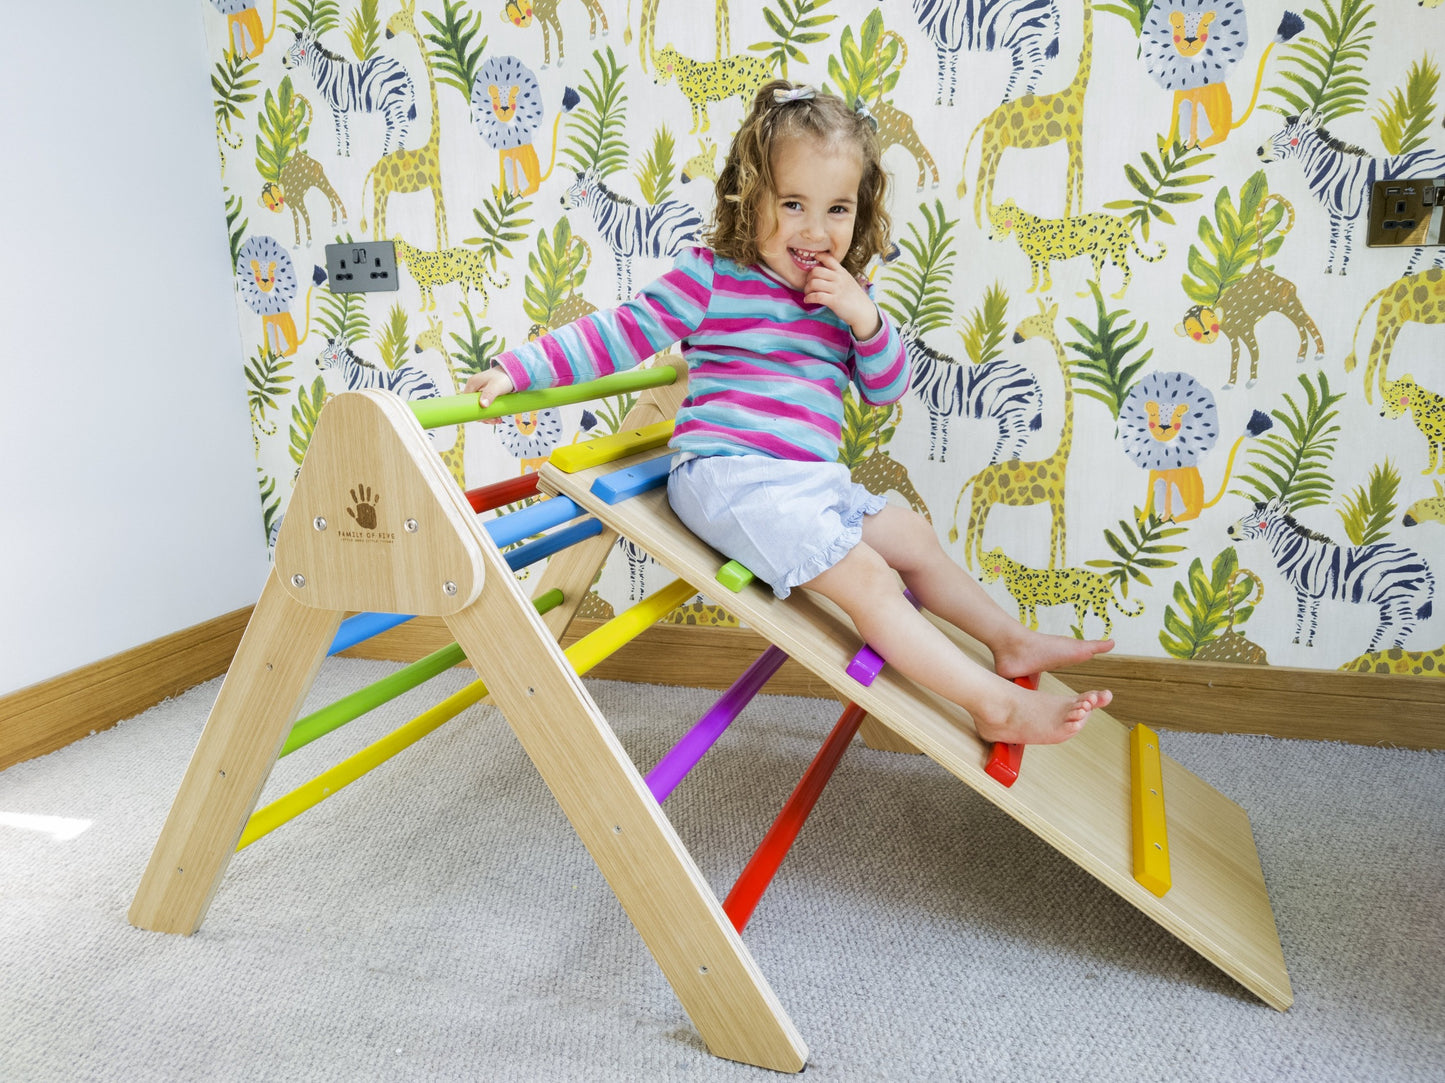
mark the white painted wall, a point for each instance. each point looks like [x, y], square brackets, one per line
[128, 499]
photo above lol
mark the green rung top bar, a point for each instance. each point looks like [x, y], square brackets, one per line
[457, 409]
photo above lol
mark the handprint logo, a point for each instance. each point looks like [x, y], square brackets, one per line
[365, 510]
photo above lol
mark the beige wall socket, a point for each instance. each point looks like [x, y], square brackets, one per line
[1407, 212]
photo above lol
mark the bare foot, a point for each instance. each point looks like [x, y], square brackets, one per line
[1019, 716]
[1034, 652]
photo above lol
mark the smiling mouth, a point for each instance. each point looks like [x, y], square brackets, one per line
[804, 258]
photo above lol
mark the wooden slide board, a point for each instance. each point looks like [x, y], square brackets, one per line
[1075, 796]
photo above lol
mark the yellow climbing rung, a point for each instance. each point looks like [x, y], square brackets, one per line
[605, 449]
[602, 643]
[1151, 838]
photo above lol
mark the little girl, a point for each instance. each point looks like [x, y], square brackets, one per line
[775, 321]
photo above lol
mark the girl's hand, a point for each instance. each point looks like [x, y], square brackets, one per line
[829, 284]
[488, 385]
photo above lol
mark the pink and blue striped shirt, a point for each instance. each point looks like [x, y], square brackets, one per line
[766, 372]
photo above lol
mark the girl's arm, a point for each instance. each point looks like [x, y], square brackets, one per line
[663, 312]
[880, 364]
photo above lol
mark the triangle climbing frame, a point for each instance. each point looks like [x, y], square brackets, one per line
[376, 524]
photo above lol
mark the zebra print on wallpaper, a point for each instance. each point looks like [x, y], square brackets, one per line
[1001, 390]
[1028, 29]
[406, 381]
[1386, 574]
[632, 230]
[1341, 176]
[378, 85]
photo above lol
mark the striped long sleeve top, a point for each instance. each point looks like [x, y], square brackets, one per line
[766, 372]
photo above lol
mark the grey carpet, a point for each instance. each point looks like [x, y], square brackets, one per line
[438, 920]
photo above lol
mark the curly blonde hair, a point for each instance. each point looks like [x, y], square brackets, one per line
[746, 179]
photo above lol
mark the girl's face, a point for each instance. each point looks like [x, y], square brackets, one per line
[812, 210]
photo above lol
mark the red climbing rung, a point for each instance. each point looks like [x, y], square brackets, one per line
[762, 866]
[1003, 762]
[1004, 759]
[499, 495]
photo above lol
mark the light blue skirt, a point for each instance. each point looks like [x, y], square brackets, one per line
[785, 521]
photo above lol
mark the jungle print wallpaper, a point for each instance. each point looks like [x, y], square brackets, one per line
[1161, 387]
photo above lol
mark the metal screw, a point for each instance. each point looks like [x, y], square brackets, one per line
[319, 522]
[449, 588]
[298, 580]
[411, 526]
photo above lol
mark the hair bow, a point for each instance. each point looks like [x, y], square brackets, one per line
[860, 107]
[794, 94]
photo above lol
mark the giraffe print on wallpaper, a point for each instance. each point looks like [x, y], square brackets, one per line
[454, 457]
[1018, 483]
[1417, 298]
[1035, 121]
[409, 170]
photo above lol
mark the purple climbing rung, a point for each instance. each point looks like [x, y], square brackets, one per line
[684, 755]
[868, 663]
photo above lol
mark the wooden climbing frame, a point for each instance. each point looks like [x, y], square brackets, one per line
[376, 525]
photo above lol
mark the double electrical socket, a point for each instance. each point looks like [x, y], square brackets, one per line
[362, 267]
[1407, 212]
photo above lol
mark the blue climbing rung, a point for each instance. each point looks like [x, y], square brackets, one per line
[533, 519]
[621, 484]
[362, 627]
[525, 555]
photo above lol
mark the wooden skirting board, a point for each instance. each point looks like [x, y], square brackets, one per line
[1301, 704]
[1165, 693]
[49, 715]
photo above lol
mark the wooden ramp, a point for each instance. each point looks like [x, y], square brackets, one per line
[1075, 796]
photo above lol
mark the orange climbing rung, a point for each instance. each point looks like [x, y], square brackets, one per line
[763, 865]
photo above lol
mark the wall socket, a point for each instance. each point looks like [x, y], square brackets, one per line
[1407, 213]
[365, 267]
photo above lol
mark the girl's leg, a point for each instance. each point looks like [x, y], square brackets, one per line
[907, 542]
[865, 587]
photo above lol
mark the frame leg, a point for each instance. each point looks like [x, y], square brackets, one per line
[284, 645]
[609, 806]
